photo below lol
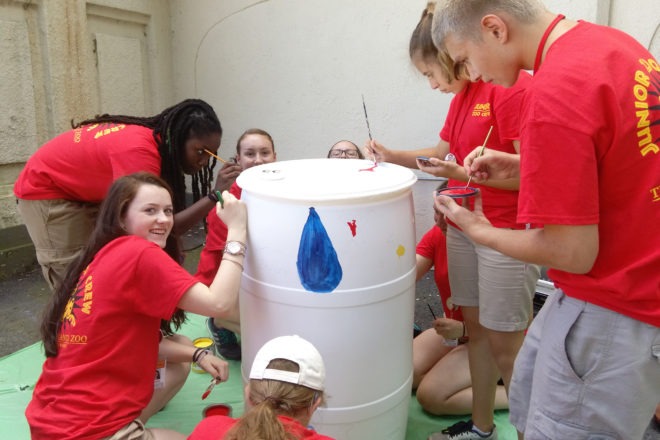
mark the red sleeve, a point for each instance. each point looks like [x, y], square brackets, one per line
[426, 246]
[162, 280]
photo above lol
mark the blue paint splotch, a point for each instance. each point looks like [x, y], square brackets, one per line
[318, 266]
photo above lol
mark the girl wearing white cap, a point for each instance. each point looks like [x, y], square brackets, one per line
[285, 388]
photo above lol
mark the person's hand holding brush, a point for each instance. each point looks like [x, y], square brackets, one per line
[491, 164]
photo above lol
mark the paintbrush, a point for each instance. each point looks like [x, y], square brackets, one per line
[214, 381]
[216, 156]
[431, 310]
[366, 118]
[483, 147]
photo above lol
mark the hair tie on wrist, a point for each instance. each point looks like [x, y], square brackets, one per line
[196, 354]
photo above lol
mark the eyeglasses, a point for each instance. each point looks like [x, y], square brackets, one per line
[349, 153]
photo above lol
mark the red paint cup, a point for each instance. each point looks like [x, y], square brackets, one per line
[217, 409]
[460, 194]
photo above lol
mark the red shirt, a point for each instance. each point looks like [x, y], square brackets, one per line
[215, 427]
[471, 114]
[103, 375]
[433, 246]
[590, 156]
[216, 237]
[81, 164]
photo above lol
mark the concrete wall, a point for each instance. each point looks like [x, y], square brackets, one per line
[72, 59]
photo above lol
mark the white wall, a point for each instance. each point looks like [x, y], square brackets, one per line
[298, 69]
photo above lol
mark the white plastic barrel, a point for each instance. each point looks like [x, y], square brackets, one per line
[331, 257]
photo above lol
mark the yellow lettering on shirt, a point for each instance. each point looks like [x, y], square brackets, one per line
[643, 82]
[481, 110]
[108, 130]
[655, 194]
[87, 296]
[76, 135]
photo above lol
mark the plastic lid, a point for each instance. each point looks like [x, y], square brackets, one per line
[325, 179]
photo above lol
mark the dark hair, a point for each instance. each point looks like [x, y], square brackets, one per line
[421, 41]
[360, 155]
[270, 398]
[108, 227]
[171, 129]
[258, 131]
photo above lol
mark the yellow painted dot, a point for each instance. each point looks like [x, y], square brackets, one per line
[400, 250]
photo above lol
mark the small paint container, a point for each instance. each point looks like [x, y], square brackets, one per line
[206, 343]
[217, 409]
[460, 194]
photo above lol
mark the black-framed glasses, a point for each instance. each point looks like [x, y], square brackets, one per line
[339, 153]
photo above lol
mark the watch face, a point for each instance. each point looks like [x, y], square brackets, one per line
[234, 248]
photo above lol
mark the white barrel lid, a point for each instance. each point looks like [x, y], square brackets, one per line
[325, 179]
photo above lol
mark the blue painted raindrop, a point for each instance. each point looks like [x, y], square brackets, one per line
[318, 266]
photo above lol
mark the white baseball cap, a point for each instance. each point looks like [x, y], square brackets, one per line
[295, 349]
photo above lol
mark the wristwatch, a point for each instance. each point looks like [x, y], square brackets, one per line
[235, 248]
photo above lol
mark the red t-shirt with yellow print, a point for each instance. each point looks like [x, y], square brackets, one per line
[103, 375]
[81, 164]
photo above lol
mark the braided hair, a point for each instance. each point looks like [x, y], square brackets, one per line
[171, 129]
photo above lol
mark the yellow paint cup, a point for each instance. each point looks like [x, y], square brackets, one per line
[206, 343]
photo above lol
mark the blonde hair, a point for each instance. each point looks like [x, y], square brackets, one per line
[421, 42]
[270, 398]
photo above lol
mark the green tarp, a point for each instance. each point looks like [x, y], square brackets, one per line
[19, 372]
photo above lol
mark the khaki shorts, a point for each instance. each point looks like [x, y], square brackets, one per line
[502, 287]
[133, 431]
[59, 230]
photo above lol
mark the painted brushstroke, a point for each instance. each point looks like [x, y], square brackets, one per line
[371, 168]
[353, 227]
[318, 266]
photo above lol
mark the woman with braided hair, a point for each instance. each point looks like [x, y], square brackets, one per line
[286, 386]
[61, 186]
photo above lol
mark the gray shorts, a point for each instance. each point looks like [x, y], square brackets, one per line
[585, 372]
[502, 287]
